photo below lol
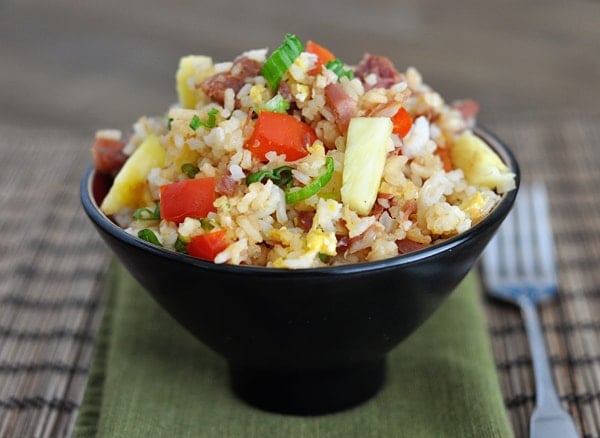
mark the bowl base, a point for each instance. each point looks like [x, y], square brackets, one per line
[314, 392]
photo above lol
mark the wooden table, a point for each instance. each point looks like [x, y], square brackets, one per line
[68, 68]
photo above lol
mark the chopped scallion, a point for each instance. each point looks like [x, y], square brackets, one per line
[149, 236]
[293, 196]
[280, 60]
[195, 122]
[210, 122]
[281, 176]
[206, 224]
[190, 169]
[277, 104]
[180, 245]
[338, 67]
[323, 257]
[145, 214]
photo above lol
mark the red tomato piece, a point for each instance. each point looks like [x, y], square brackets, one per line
[188, 198]
[207, 246]
[281, 133]
[324, 55]
[402, 122]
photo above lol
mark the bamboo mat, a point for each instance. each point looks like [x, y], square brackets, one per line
[53, 263]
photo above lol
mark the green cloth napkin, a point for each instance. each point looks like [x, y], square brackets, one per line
[150, 378]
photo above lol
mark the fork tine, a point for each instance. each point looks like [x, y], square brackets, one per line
[508, 240]
[521, 252]
[526, 243]
[544, 237]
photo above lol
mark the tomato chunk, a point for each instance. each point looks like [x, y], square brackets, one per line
[207, 246]
[188, 198]
[281, 133]
[324, 55]
[402, 122]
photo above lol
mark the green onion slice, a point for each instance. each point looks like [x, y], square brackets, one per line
[190, 169]
[277, 104]
[149, 236]
[206, 224]
[281, 176]
[180, 245]
[293, 196]
[145, 214]
[323, 257]
[338, 67]
[280, 60]
[210, 122]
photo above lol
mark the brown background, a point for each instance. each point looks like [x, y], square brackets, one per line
[86, 64]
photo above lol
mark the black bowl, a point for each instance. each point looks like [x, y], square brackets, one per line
[307, 341]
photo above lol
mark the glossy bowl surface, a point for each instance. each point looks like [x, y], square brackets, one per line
[307, 341]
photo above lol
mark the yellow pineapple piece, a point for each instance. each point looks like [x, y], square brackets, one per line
[480, 164]
[192, 70]
[367, 144]
[130, 187]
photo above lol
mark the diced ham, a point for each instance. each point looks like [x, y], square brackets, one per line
[305, 220]
[226, 185]
[242, 68]
[342, 244]
[410, 207]
[383, 70]
[284, 90]
[363, 240]
[378, 207]
[343, 106]
[468, 108]
[407, 245]
[107, 154]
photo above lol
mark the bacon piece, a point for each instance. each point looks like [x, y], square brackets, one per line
[107, 154]
[410, 207]
[468, 108]
[305, 220]
[285, 91]
[363, 240]
[378, 208]
[242, 68]
[385, 73]
[407, 245]
[342, 105]
[226, 185]
[342, 243]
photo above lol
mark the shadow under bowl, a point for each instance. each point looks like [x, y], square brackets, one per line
[307, 341]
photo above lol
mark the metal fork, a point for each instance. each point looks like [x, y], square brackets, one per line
[518, 266]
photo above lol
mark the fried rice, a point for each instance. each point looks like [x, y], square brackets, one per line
[424, 193]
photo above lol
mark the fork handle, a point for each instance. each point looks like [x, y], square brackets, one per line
[549, 419]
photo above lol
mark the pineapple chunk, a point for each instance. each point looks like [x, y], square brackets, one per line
[480, 164]
[192, 70]
[367, 144]
[130, 187]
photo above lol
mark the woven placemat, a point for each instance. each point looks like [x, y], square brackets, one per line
[51, 271]
[53, 264]
[564, 153]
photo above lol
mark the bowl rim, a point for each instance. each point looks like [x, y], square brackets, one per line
[501, 209]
